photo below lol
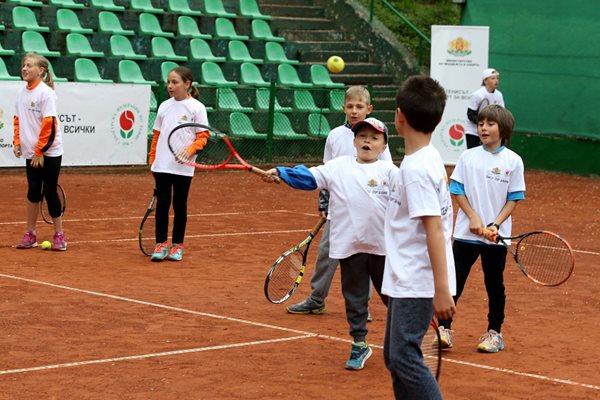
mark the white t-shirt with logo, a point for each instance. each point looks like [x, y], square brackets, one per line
[31, 107]
[418, 189]
[170, 114]
[487, 179]
[358, 199]
[475, 103]
[340, 142]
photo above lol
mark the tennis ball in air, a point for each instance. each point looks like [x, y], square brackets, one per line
[335, 64]
[46, 245]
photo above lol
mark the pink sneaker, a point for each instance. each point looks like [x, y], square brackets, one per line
[59, 243]
[29, 241]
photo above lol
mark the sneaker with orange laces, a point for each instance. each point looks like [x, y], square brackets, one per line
[29, 241]
[59, 242]
[160, 252]
[176, 252]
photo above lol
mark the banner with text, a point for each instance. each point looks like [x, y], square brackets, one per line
[101, 124]
[459, 54]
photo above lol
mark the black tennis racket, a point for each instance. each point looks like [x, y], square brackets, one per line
[206, 148]
[543, 257]
[431, 347]
[286, 273]
[62, 197]
[146, 238]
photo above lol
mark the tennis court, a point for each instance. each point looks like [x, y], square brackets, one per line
[101, 321]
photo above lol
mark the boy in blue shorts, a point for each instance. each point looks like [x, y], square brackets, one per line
[359, 190]
[419, 270]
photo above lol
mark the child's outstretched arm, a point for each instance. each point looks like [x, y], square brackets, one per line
[298, 177]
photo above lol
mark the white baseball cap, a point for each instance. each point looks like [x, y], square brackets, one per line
[373, 123]
[489, 72]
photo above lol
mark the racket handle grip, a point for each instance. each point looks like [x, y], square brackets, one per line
[493, 238]
[262, 173]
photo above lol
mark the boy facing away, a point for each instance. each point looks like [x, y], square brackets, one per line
[419, 270]
[359, 188]
[340, 142]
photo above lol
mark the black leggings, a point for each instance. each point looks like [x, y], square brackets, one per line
[42, 182]
[178, 187]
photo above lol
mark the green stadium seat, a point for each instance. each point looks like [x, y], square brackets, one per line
[238, 52]
[304, 101]
[260, 30]
[319, 76]
[228, 101]
[249, 9]
[165, 68]
[130, 72]
[66, 4]
[55, 77]
[145, 6]
[282, 128]
[217, 9]
[109, 23]
[187, 27]
[26, 3]
[108, 5]
[318, 126]
[250, 75]
[213, 76]
[79, 46]
[240, 126]
[121, 47]
[6, 52]
[2, 27]
[163, 49]
[33, 42]
[24, 18]
[337, 99]
[4, 75]
[287, 76]
[149, 25]
[200, 50]
[262, 101]
[67, 21]
[224, 29]
[182, 7]
[274, 53]
[87, 71]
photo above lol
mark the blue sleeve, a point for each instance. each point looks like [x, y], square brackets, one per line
[298, 177]
[457, 188]
[515, 196]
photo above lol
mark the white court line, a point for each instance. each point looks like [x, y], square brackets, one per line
[302, 334]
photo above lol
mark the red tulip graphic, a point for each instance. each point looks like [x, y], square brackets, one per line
[126, 121]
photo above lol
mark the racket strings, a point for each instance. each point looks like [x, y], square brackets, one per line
[431, 349]
[284, 276]
[546, 258]
[185, 147]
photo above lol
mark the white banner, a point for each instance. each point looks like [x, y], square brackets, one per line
[459, 54]
[101, 124]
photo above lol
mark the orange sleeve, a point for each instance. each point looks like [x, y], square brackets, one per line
[47, 135]
[152, 153]
[199, 143]
[16, 135]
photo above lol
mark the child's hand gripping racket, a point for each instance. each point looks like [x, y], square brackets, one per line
[543, 257]
[206, 148]
[62, 197]
[146, 237]
[286, 273]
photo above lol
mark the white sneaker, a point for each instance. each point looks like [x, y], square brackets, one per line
[445, 337]
[491, 342]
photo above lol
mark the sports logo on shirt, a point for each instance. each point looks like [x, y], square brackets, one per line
[127, 124]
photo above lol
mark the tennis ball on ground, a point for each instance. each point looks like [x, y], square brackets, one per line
[335, 64]
[46, 245]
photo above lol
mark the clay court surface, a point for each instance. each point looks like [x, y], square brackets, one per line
[100, 321]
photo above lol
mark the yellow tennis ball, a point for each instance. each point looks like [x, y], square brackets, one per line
[335, 64]
[46, 245]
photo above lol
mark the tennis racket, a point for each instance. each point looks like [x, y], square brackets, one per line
[286, 273]
[217, 153]
[62, 197]
[543, 257]
[146, 237]
[431, 347]
[484, 103]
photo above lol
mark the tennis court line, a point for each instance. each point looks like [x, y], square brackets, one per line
[301, 334]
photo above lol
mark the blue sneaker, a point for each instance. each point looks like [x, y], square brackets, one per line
[176, 252]
[160, 252]
[359, 355]
[491, 342]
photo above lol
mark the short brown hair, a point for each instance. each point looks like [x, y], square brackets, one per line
[422, 101]
[501, 116]
[358, 92]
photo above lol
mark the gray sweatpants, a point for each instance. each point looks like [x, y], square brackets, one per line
[325, 267]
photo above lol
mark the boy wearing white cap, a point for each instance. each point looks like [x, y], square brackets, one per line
[359, 189]
[487, 94]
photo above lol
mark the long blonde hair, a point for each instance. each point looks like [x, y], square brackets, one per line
[42, 63]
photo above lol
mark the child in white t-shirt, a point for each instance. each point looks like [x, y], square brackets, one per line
[359, 189]
[173, 179]
[419, 272]
[486, 95]
[487, 182]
